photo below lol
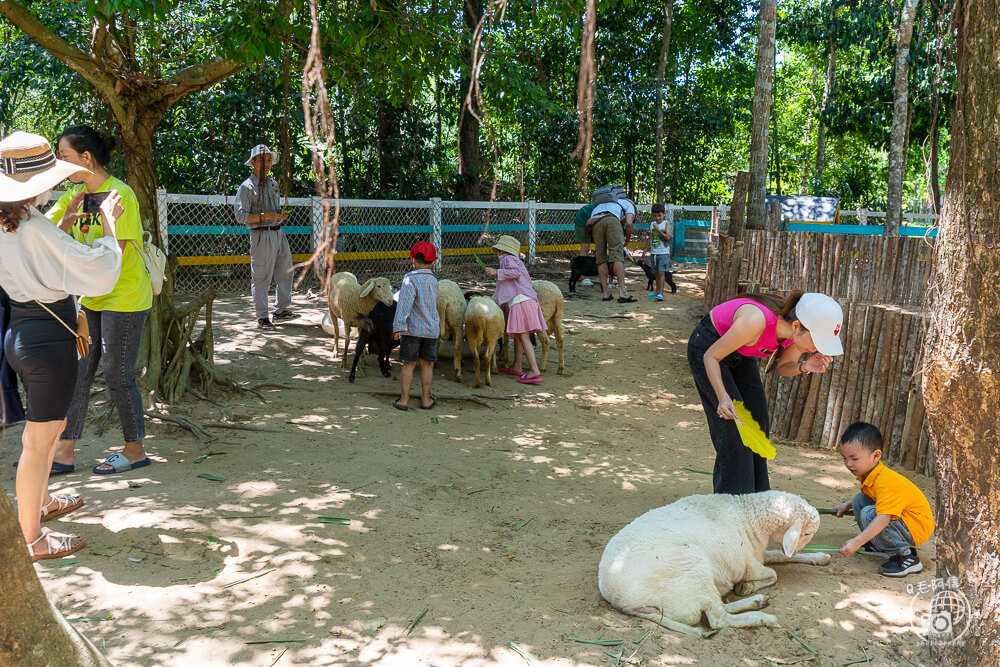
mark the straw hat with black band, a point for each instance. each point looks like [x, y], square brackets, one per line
[28, 167]
[509, 245]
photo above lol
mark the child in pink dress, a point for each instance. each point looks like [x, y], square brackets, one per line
[524, 315]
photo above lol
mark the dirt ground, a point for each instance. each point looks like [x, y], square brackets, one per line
[471, 525]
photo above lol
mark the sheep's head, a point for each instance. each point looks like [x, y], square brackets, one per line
[798, 522]
[379, 288]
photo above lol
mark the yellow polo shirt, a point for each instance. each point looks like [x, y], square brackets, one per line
[132, 292]
[900, 499]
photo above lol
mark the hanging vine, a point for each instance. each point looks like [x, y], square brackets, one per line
[319, 127]
[494, 14]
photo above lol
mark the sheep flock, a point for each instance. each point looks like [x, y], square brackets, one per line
[468, 322]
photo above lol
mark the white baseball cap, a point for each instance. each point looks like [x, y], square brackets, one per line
[822, 316]
[257, 150]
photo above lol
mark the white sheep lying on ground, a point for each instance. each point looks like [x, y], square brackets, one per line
[451, 312]
[350, 301]
[551, 299]
[673, 564]
[484, 326]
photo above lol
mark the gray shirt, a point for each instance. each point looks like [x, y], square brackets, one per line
[618, 209]
[254, 197]
[40, 261]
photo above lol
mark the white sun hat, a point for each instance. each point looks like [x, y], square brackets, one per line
[822, 316]
[28, 167]
[257, 150]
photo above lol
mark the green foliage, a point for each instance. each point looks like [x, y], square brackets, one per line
[395, 72]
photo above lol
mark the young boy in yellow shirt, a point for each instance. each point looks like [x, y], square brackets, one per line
[892, 513]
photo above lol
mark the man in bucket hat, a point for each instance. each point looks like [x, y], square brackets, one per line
[259, 208]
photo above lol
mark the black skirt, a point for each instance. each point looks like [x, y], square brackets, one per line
[43, 354]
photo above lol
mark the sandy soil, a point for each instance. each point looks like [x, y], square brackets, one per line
[470, 526]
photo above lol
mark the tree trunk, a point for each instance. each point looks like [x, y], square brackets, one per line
[935, 84]
[388, 145]
[468, 136]
[33, 632]
[935, 166]
[346, 159]
[756, 216]
[900, 118]
[661, 94]
[959, 382]
[137, 102]
[831, 73]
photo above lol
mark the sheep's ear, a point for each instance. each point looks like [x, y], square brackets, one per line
[367, 289]
[790, 539]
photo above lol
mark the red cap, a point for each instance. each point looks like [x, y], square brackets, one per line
[424, 248]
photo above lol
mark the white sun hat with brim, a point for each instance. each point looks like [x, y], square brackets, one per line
[259, 149]
[28, 167]
[822, 316]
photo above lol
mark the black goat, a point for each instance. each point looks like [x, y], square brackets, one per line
[376, 333]
[651, 277]
[581, 265]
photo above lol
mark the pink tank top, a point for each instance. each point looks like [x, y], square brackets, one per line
[722, 318]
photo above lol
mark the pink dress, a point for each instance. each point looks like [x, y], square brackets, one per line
[515, 291]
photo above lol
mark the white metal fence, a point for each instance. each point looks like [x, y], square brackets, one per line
[375, 236]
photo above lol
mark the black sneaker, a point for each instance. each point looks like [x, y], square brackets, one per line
[900, 566]
[869, 550]
[265, 324]
[285, 315]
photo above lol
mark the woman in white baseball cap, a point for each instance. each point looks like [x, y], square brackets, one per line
[800, 334]
[41, 268]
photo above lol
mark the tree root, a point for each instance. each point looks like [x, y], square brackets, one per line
[236, 426]
[226, 414]
[196, 429]
[474, 398]
[270, 384]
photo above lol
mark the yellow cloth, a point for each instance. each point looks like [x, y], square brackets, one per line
[132, 292]
[899, 498]
[751, 433]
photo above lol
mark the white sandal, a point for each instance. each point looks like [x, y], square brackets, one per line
[64, 543]
[64, 505]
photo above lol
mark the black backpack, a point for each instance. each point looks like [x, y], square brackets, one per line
[609, 194]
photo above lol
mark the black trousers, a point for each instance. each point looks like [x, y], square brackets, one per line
[737, 470]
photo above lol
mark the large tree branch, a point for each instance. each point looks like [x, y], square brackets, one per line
[75, 58]
[197, 77]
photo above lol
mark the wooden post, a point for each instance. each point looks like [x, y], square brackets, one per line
[737, 211]
[774, 218]
[737, 225]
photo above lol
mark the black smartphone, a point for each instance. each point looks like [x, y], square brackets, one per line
[92, 201]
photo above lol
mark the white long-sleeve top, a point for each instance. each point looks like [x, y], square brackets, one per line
[40, 261]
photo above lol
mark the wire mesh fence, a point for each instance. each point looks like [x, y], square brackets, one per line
[375, 236]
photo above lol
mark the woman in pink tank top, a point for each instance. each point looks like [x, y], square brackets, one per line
[799, 334]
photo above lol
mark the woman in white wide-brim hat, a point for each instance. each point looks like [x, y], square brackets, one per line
[42, 268]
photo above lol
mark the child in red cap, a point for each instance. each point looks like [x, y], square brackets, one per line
[416, 325]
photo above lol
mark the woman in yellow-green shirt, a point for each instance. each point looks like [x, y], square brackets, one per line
[116, 319]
